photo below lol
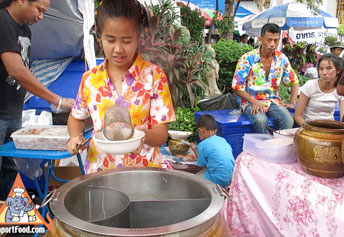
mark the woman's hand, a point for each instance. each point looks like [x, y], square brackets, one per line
[143, 128]
[74, 143]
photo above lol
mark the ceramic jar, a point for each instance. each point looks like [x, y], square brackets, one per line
[177, 147]
[319, 144]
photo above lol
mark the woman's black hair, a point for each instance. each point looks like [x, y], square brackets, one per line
[207, 121]
[6, 3]
[130, 9]
[337, 61]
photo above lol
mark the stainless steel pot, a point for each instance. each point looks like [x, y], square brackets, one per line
[162, 203]
[99, 205]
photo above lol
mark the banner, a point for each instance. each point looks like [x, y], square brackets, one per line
[311, 36]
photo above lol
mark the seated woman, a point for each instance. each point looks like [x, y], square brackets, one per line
[318, 97]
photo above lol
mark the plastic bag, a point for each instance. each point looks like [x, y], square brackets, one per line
[29, 117]
[311, 73]
[226, 101]
[29, 167]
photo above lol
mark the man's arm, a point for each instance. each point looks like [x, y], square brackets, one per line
[293, 96]
[256, 105]
[16, 69]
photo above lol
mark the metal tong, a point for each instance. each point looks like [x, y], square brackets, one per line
[272, 131]
[224, 192]
[84, 143]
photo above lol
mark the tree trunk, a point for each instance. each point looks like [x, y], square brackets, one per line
[229, 11]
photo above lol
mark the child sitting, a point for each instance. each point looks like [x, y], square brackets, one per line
[213, 152]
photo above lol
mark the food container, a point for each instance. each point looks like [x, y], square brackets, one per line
[178, 147]
[319, 145]
[179, 134]
[40, 137]
[120, 146]
[278, 149]
[168, 203]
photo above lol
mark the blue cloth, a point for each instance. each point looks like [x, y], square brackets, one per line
[280, 114]
[47, 71]
[216, 154]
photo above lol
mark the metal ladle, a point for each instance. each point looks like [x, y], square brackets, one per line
[117, 123]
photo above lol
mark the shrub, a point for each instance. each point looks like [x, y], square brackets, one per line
[300, 54]
[284, 91]
[228, 53]
[330, 40]
[194, 22]
[340, 30]
[185, 121]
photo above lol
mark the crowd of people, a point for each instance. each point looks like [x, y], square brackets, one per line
[260, 72]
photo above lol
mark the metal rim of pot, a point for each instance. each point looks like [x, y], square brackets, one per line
[60, 211]
[316, 125]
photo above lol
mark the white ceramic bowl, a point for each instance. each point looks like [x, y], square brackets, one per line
[118, 147]
[179, 134]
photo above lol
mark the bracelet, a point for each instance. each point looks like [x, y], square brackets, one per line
[57, 101]
[59, 106]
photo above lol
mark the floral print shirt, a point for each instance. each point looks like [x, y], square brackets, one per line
[145, 93]
[250, 76]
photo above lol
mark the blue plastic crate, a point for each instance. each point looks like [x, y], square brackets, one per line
[233, 126]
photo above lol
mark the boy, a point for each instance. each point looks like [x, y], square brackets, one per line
[213, 152]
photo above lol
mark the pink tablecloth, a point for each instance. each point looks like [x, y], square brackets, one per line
[281, 200]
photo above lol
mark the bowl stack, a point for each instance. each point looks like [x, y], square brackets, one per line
[178, 143]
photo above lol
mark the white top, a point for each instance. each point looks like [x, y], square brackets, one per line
[320, 105]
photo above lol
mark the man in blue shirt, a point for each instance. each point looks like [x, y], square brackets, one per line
[213, 152]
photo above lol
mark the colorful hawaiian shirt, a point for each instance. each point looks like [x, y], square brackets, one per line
[250, 76]
[145, 93]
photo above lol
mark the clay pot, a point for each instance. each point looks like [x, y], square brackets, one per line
[319, 144]
[177, 147]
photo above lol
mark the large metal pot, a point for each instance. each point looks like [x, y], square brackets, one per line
[318, 144]
[162, 203]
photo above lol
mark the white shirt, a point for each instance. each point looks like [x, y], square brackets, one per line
[320, 105]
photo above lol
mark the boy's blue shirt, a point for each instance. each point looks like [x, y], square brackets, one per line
[216, 154]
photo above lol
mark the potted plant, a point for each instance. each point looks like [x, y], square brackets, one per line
[184, 128]
[171, 47]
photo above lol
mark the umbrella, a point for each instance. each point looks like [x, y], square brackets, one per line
[242, 12]
[212, 13]
[288, 15]
[194, 7]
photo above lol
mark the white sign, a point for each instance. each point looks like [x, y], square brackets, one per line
[311, 36]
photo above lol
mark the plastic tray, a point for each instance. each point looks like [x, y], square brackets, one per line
[257, 145]
[53, 137]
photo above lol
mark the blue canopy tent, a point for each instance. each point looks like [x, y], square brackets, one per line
[242, 12]
[206, 4]
[288, 15]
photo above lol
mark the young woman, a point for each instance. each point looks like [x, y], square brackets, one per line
[125, 79]
[319, 97]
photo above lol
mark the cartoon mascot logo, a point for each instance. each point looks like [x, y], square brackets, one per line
[19, 208]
